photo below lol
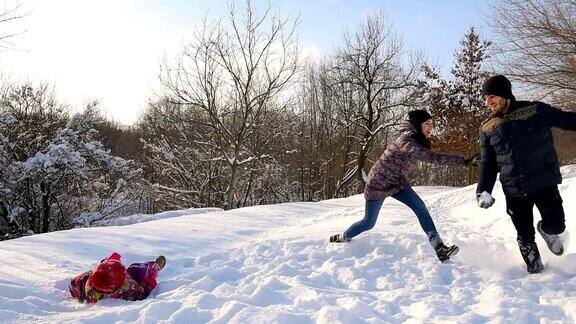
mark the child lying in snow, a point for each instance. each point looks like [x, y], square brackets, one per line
[110, 279]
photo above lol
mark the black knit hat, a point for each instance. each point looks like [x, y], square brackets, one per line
[417, 117]
[498, 85]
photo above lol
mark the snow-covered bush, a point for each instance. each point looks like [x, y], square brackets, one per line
[54, 173]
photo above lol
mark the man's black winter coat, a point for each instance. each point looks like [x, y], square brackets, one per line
[519, 145]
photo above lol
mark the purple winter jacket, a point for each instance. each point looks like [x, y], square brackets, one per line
[387, 176]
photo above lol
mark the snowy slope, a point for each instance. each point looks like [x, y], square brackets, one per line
[141, 218]
[273, 264]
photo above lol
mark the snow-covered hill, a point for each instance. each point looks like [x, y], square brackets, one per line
[273, 264]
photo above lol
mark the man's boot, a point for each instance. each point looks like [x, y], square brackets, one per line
[531, 256]
[552, 240]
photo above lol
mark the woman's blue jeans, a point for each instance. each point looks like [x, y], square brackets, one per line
[407, 196]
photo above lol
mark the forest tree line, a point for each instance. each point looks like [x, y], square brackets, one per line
[244, 118]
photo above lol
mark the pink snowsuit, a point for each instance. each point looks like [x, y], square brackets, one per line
[139, 280]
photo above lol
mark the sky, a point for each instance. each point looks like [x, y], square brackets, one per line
[111, 50]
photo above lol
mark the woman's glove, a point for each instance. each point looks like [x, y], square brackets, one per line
[473, 160]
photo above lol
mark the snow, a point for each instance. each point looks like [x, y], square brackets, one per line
[273, 264]
[141, 218]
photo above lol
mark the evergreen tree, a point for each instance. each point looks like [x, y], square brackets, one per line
[457, 104]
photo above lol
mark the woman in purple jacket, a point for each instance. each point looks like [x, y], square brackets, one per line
[387, 178]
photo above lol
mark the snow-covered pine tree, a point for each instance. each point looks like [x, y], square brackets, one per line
[54, 174]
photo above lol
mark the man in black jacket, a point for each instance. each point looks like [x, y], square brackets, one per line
[516, 140]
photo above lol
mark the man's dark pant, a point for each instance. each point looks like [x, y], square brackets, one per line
[548, 202]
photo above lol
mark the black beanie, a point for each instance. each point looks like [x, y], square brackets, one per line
[498, 85]
[417, 117]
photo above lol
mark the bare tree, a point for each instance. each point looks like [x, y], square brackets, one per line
[537, 44]
[322, 146]
[370, 72]
[10, 14]
[233, 76]
[177, 160]
[537, 47]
